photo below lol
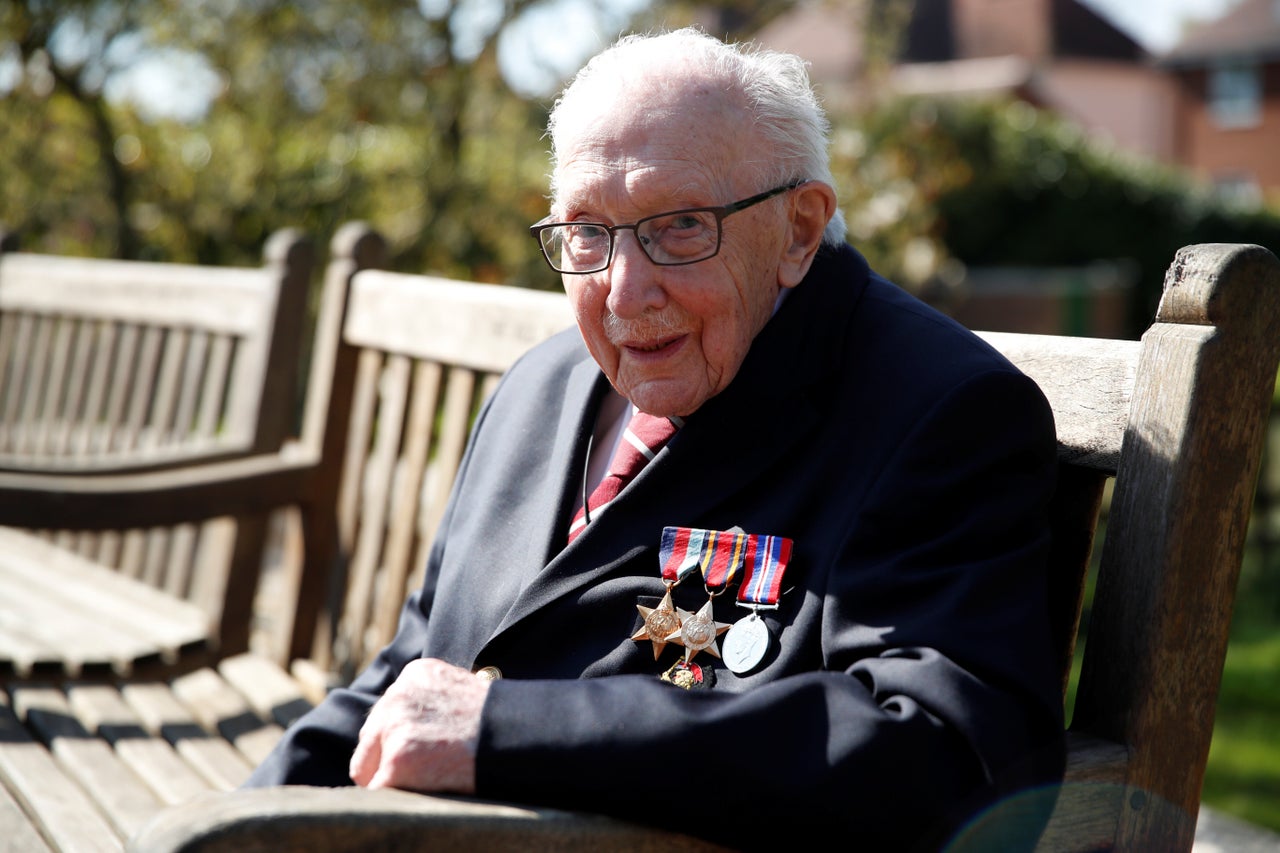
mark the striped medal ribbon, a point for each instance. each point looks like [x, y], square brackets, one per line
[764, 564]
[720, 556]
[679, 554]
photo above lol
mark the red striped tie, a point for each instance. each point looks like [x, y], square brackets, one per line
[644, 436]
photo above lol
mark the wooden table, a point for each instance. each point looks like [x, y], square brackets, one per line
[63, 615]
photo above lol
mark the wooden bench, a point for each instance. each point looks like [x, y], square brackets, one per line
[164, 741]
[1175, 421]
[113, 369]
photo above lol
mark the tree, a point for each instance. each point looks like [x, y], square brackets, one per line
[394, 111]
[61, 55]
[934, 186]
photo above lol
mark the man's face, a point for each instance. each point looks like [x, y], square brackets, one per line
[670, 337]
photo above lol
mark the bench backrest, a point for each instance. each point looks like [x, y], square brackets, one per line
[114, 369]
[1176, 421]
[414, 358]
[122, 365]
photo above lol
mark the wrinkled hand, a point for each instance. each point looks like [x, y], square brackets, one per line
[421, 735]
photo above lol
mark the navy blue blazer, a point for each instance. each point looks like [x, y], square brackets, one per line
[911, 678]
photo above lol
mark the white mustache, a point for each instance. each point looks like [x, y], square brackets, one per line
[650, 327]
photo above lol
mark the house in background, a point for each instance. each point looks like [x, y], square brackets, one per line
[1212, 104]
[1059, 55]
[1228, 84]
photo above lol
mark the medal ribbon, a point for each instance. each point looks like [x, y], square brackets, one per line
[718, 554]
[766, 561]
[722, 558]
[680, 552]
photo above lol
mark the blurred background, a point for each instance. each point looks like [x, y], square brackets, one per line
[1027, 165]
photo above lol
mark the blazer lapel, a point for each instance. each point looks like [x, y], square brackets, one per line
[586, 386]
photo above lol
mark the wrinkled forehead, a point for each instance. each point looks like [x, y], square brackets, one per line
[623, 123]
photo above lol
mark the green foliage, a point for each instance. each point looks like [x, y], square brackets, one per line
[933, 185]
[1243, 773]
[326, 111]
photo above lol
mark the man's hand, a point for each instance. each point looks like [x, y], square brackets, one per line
[421, 735]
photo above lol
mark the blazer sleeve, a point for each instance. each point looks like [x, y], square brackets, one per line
[316, 749]
[936, 696]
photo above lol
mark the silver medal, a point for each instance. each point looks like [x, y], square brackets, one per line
[745, 644]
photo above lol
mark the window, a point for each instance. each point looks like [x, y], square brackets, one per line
[1235, 94]
[1239, 189]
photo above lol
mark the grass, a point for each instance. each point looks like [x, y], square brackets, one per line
[1243, 774]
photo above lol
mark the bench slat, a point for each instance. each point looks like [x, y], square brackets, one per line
[58, 806]
[162, 715]
[271, 692]
[94, 615]
[193, 372]
[1074, 373]
[102, 711]
[123, 798]
[402, 528]
[222, 298]
[17, 833]
[484, 327]
[220, 708]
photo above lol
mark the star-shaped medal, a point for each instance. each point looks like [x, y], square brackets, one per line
[659, 623]
[698, 632]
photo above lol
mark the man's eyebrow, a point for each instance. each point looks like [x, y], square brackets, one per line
[571, 205]
[580, 203]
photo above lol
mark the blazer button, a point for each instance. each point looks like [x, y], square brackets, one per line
[489, 673]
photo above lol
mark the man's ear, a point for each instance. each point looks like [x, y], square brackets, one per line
[813, 203]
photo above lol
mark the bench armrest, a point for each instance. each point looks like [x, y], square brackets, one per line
[323, 819]
[190, 493]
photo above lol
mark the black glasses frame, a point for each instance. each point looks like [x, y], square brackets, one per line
[720, 213]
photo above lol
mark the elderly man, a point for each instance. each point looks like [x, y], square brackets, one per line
[819, 605]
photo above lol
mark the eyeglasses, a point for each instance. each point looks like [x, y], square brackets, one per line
[668, 239]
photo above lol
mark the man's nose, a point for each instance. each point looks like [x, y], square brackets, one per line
[634, 285]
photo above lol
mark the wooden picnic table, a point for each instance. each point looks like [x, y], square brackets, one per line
[64, 615]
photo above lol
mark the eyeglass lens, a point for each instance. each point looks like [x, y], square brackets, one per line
[677, 238]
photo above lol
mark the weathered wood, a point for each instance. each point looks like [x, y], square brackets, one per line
[124, 390]
[17, 833]
[146, 313]
[60, 609]
[327, 536]
[121, 796]
[220, 709]
[161, 713]
[402, 527]
[484, 327]
[114, 370]
[1089, 383]
[1175, 534]
[318, 819]
[104, 713]
[57, 806]
[240, 486]
[391, 381]
[269, 690]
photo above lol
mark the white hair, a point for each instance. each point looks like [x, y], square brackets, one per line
[775, 86]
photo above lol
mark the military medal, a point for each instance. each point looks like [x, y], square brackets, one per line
[749, 639]
[722, 554]
[698, 633]
[679, 556]
[659, 623]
